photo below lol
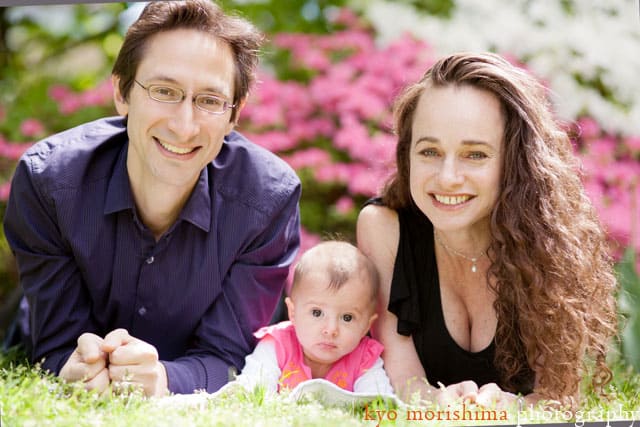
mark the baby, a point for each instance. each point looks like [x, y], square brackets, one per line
[331, 308]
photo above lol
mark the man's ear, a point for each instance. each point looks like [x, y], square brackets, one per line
[238, 108]
[122, 106]
[290, 308]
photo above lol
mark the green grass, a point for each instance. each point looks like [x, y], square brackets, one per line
[30, 398]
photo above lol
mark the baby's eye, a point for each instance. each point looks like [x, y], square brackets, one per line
[316, 312]
[347, 317]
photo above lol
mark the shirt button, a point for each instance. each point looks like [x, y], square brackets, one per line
[142, 311]
[150, 260]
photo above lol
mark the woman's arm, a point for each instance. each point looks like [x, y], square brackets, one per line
[378, 233]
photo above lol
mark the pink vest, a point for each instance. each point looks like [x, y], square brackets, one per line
[343, 373]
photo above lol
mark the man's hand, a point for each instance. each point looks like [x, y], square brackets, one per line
[88, 363]
[134, 362]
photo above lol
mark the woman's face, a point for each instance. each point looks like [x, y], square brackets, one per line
[455, 155]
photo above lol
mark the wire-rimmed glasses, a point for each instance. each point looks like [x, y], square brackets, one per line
[174, 95]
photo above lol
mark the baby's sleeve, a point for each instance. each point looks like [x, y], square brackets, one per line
[261, 367]
[374, 380]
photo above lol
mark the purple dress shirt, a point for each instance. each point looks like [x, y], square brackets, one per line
[88, 264]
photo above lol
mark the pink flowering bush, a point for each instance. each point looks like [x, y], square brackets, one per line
[331, 121]
[323, 103]
[329, 117]
[41, 110]
[611, 165]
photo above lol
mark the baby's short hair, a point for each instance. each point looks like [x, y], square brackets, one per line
[340, 261]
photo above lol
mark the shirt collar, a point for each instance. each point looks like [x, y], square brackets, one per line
[197, 210]
[119, 196]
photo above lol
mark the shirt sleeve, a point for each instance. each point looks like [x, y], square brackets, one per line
[374, 380]
[261, 368]
[60, 307]
[250, 293]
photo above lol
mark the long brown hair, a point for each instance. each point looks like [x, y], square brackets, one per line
[202, 15]
[552, 274]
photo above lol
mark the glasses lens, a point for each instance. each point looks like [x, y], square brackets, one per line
[211, 103]
[165, 93]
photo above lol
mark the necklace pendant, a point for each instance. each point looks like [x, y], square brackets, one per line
[474, 268]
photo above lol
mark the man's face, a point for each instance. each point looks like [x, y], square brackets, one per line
[169, 144]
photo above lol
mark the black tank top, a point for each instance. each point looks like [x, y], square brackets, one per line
[415, 300]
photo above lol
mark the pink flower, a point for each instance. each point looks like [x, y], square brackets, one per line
[351, 133]
[622, 172]
[366, 105]
[59, 92]
[344, 205]
[275, 141]
[307, 241]
[347, 18]
[314, 59]
[31, 128]
[633, 143]
[5, 189]
[311, 157]
[70, 104]
[334, 172]
[595, 191]
[365, 181]
[263, 115]
[588, 127]
[617, 221]
[12, 150]
[602, 150]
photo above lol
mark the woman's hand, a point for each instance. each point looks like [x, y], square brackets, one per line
[446, 395]
[491, 396]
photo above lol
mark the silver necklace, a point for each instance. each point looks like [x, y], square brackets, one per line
[473, 260]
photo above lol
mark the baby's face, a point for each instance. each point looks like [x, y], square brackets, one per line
[330, 323]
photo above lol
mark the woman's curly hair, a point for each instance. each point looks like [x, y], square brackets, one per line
[550, 268]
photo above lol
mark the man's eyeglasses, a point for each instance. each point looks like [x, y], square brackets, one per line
[174, 95]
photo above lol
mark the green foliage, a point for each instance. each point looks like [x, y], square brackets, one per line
[30, 397]
[37, 51]
[297, 16]
[34, 62]
[441, 8]
[436, 8]
[629, 301]
[35, 58]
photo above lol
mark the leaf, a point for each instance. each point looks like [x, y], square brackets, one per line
[629, 301]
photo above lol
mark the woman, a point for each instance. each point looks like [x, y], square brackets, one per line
[494, 266]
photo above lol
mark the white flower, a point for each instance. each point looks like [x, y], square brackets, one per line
[594, 40]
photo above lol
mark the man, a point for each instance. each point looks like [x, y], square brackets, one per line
[150, 246]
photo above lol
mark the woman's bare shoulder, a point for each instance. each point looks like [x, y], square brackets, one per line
[377, 217]
[378, 230]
